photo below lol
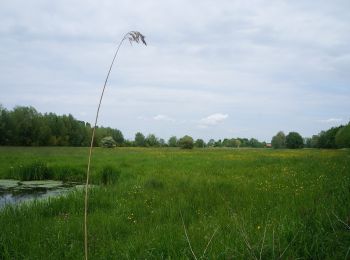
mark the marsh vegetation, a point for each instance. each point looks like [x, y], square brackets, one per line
[235, 203]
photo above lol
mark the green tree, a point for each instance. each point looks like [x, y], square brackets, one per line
[314, 141]
[139, 139]
[279, 140]
[162, 142]
[237, 143]
[327, 138]
[211, 143]
[172, 142]
[199, 143]
[152, 140]
[342, 138]
[186, 142]
[294, 140]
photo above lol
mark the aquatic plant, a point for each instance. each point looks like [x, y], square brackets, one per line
[132, 36]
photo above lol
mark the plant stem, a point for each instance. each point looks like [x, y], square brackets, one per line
[90, 151]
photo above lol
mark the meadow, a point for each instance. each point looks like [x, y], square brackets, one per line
[168, 203]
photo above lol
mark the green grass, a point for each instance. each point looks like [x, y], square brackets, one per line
[252, 203]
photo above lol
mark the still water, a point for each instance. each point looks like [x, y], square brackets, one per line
[15, 192]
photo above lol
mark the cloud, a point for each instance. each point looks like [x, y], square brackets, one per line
[212, 120]
[163, 118]
[204, 56]
[331, 120]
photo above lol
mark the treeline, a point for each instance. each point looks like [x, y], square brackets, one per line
[24, 126]
[333, 138]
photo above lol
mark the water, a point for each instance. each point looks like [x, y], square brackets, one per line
[15, 192]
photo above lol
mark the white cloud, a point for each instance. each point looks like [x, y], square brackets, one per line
[212, 120]
[204, 56]
[163, 118]
[331, 120]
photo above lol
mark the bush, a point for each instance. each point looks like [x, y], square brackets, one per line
[108, 142]
[186, 142]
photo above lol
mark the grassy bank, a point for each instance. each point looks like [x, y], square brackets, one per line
[240, 203]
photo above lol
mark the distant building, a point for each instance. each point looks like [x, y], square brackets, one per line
[268, 145]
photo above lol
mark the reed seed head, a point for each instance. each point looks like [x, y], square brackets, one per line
[135, 36]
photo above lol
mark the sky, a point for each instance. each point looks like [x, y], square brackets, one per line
[211, 69]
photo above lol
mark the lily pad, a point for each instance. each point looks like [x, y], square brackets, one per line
[47, 184]
[8, 184]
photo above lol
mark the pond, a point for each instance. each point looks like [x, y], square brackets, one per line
[15, 192]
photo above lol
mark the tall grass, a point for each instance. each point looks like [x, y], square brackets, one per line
[235, 203]
[132, 36]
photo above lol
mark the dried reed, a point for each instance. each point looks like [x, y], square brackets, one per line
[132, 36]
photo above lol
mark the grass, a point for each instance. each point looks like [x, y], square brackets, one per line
[232, 203]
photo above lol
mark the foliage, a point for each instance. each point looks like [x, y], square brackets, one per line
[342, 137]
[152, 140]
[294, 140]
[211, 143]
[199, 143]
[186, 142]
[172, 142]
[140, 139]
[279, 140]
[326, 139]
[24, 126]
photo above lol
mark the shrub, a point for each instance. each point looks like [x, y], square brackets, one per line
[186, 142]
[108, 142]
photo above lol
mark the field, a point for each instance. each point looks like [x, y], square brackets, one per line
[164, 203]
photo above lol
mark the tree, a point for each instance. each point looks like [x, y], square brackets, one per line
[139, 139]
[152, 140]
[294, 140]
[342, 138]
[186, 142]
[327, 138]
[279, 140]
[162, 142]
[211, 143]
[237, 143]
[108, 142]
[172, 142]
[314, 141]
[255, 143]
[218, 143]
[199, 143]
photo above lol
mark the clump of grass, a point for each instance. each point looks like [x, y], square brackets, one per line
[108, 175]
[37, 170]
[69, 173]
[154, 184]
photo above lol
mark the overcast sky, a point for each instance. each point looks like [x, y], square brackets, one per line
[212, 69]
